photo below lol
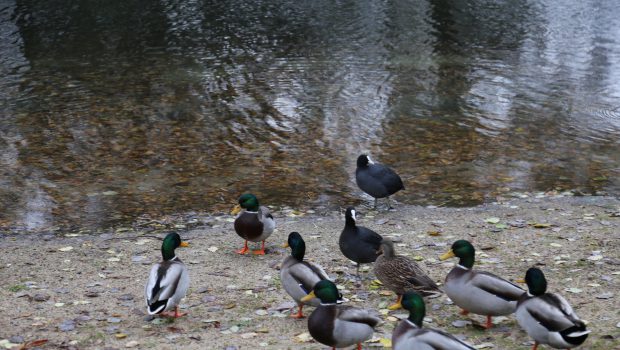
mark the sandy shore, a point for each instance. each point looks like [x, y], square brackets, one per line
[86, 292]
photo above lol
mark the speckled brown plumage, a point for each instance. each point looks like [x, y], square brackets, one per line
[401, 274]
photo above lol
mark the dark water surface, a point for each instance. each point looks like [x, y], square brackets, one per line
[115, 109]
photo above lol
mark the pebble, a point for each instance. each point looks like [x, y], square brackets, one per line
[66, 326]
[132, 344]
[460, 323]
[41, 297]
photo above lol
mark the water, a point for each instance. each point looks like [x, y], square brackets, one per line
[117, 110]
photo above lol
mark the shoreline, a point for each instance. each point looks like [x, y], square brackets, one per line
[84, 291]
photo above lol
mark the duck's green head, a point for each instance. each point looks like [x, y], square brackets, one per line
[297, 245]
[248, 202]
[463, 250]
[171, 242]
[536, 282]
[414, 303]
[325, 290]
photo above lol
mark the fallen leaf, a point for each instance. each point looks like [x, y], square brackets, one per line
[492, 220]
[303, 337]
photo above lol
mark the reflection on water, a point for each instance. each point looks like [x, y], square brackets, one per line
[115, 110]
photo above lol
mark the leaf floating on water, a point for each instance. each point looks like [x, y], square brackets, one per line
[120, 335]
[434, 233]
[541, 225]
[557, 245]
[66, 249]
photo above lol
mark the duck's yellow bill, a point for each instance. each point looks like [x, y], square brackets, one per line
[184, 244]
[447, 255]
[308, 297]
[285, 245]
[235, 210]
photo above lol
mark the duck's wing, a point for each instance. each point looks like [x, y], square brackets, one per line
[440, 340]
[407, 274]
[496, 285]
[305, 275]
[553, 312]
[354, 314]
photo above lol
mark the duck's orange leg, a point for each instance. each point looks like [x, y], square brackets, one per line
[261, 251]
[299, 314]
[535, 345]
[489, 323]
[464, 312]
[244, 249]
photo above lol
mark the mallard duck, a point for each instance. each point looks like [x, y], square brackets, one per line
[480, 292]
[255, 223]
[377, 180]
[298, 276]
[548, 317]
[401, 274]
[168, 281]
[336, 325]
[409, 334]
[358, 243]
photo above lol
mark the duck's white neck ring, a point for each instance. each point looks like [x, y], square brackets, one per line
[328, 304]
[411, 323]
[462, 267]
[251, 212]
[173, 258]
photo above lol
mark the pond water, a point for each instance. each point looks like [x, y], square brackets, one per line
[113, 110]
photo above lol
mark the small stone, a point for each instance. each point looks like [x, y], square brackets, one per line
[132, 344]
[66, 326]
[41, 297]
[16, 339]
[113, 320]
[460, 323]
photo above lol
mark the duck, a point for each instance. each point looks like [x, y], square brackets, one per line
[338, 325]
[376, 179]
[547, 317]
[168, 280]
[254, 222]
[401, 274]
[409, 333]
[479, 292]
[298, 276]
[358, 243]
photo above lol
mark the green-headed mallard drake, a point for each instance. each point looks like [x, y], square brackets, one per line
[358, 243]
[480, 292]
[168, 281]
[401, 274]
[298, 276]
[337, 325]
[377, 180]
[409, 334]
[255, 223]
[548, 317]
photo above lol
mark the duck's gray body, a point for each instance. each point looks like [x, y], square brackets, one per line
[341, 326]
[299, 277]
[549, 319]
[408, 336]
[167, 285]
[481, 292]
